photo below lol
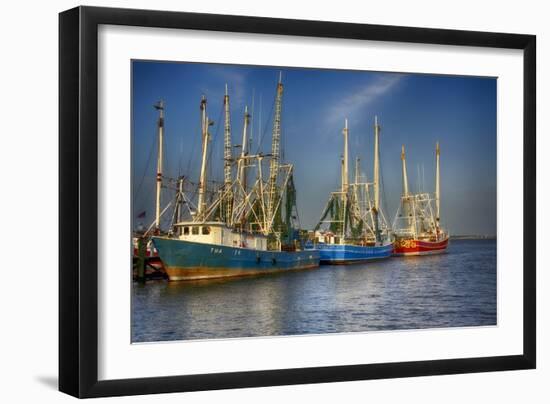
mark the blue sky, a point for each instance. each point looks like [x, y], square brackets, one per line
[413, 109]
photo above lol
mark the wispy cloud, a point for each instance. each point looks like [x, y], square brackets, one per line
[235, 80]
[363, 97]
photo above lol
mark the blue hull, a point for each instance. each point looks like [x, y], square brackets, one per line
[348, 253]
[186, 260]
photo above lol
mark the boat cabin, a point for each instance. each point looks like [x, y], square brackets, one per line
[218, 233]
[327, 238]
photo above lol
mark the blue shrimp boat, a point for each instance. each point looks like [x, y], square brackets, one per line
[243, 254]
[245, 227]
[352, 228]
[337, 254]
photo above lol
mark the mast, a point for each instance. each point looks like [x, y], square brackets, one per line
[356, 191]
[345, 178]
[160, 107]
[262, 201]
[376, 165]
[345, 174]
[342, 174]
[275, 151]
[407, 204]
[404, 168]
[180, 196]
[357, 161]
[376, 179]
[201, 208]
[437, 194]
[227, 157]
[244, 150]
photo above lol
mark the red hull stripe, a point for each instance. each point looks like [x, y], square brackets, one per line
[410, 247]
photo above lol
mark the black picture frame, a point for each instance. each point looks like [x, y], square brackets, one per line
[78, 201]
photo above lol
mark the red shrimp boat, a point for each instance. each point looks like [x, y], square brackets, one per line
[406, 246]
[417, 226]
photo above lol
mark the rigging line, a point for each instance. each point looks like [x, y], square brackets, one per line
[252, 119]
[267, 122]
[193, 148]
[181, 150]
[213, 142]
[166, 168]
[259, 124]
[283, 138]
[165, 149]
[296, 209]
[418, 184]
[423, 183]
[385, 201]
[145, 169]
[180, 153]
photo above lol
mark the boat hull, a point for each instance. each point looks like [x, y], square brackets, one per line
[342, 254]
[186, 260]
[406, 247]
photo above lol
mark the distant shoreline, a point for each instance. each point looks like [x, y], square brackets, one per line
[473, 237]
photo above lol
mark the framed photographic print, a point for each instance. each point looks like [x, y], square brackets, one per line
[251, 201]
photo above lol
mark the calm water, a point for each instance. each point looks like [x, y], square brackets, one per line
[448, 290]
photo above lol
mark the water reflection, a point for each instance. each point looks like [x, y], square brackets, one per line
[454, 289]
